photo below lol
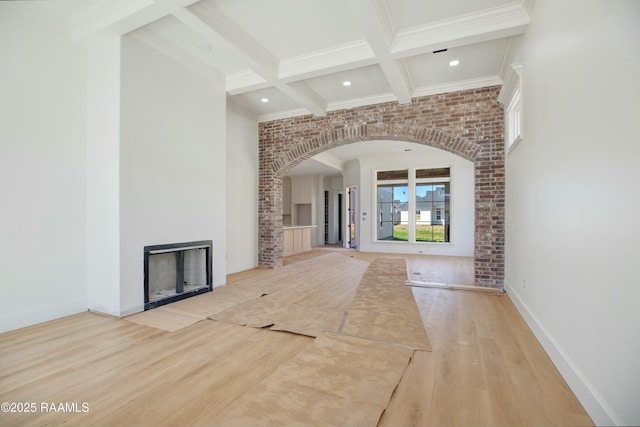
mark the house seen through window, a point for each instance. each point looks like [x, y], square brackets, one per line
[423, 191]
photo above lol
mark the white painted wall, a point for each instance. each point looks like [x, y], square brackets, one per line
[462, 202]
[242, 192]
[42, 171]
[103, 176]
[351, 177]
[172, 162]
[580, 96]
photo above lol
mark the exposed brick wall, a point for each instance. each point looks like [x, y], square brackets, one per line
[468, 123]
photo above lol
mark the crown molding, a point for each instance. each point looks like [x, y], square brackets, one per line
[476, 27]
[390, 97]
[283, 115]
[458, 86]
[361, 102]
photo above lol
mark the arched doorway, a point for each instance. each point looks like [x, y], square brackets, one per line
[286, 143]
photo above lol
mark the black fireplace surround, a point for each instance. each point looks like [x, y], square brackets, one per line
[175, 283]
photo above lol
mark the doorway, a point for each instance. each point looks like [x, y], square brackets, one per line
[352, 217]
[339, 217]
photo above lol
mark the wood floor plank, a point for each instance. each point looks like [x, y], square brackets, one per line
[486, 368]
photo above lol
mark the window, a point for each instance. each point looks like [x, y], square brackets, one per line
[423, 191]
[393, 204]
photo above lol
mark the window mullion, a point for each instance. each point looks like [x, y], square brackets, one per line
[411, 188]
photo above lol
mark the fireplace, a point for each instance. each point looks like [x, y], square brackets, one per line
[176, 271]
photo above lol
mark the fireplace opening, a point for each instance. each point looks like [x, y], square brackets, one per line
[176, 271]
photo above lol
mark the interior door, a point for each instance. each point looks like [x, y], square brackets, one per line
[352, 218]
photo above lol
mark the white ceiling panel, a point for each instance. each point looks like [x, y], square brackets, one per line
[252, 101]
[365, 82]
[289, 28]
[476, 61]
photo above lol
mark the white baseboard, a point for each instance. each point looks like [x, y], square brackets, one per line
[599, 411]
[32, 316]
[133, 310]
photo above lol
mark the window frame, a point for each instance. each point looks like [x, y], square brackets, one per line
[411, 182]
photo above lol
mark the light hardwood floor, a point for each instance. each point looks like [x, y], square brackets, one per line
[486, 367]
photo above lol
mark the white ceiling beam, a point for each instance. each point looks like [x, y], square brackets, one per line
[219, 31]
[399, 78]
[327, 61]
[244, 81]
[376, 24]
[89, 21]
[304, 96]
[211, 23]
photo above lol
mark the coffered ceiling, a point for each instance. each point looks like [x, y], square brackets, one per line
[297, 53]
[285, 58]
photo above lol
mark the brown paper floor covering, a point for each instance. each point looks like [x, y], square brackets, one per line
[340, 381]
[310, 303]
[384, 309]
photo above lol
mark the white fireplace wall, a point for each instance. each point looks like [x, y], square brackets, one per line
[242, 192]
[172, 162]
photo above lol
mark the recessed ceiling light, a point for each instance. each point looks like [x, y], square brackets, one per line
[346, 83]
[265, 100]
[454, 63]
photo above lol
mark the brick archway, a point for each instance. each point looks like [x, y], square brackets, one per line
[308, 148]
[468, 124]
